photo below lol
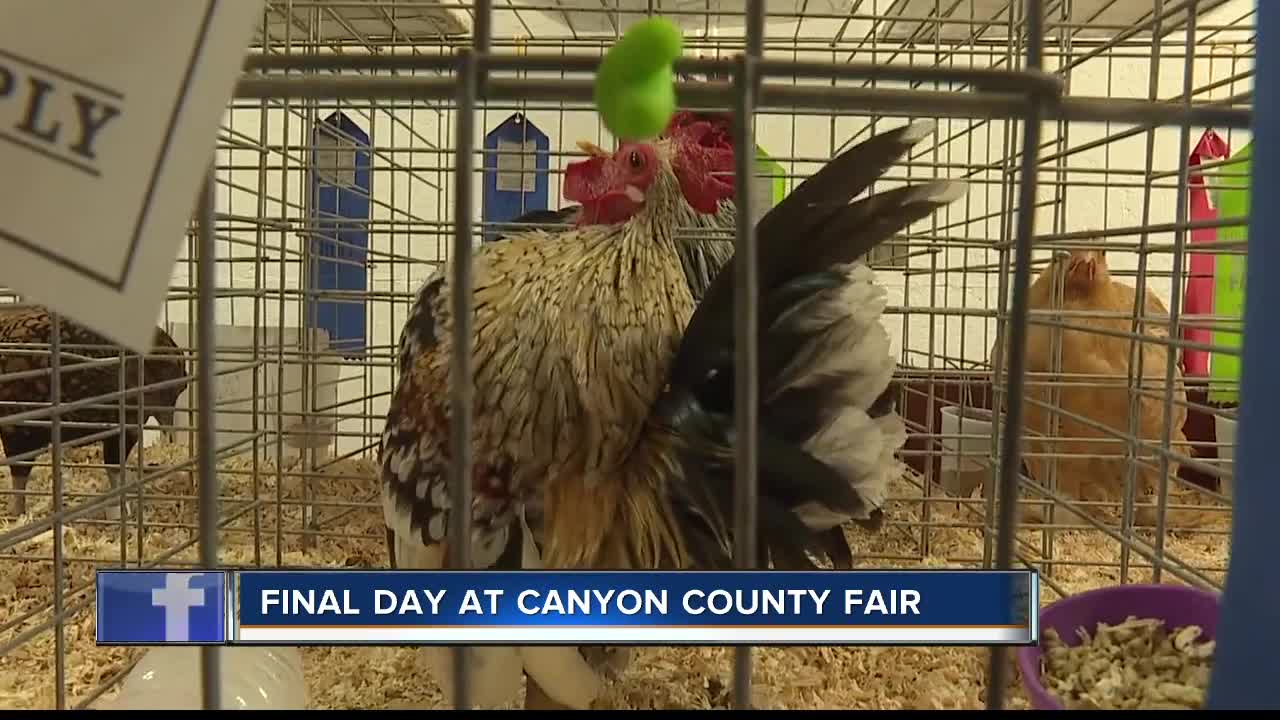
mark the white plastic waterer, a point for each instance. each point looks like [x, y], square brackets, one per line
[253, 678]
[965, 462]
[1225, 432]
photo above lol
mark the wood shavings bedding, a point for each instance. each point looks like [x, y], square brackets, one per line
[169, 517]
[664, 678]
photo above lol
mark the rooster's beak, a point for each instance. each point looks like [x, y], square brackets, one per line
[592, 149]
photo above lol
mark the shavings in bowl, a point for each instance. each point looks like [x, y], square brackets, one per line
[1137, 664]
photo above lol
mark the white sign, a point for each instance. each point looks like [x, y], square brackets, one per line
[108, 116]
[517, 166]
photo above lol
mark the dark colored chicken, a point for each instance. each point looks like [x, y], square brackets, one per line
[604, 417]
[25, 336]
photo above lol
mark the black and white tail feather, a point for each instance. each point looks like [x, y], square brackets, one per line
[828, 427]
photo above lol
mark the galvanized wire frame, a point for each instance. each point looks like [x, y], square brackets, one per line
[460, 390]
[746, 350]
[1011, 452]
[1028, 95]
[210, 678]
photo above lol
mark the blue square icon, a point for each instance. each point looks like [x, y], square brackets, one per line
[161, 607]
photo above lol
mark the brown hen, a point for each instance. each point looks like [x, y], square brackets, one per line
[1085, 454]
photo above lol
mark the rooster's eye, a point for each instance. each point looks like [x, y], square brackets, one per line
[636, 160]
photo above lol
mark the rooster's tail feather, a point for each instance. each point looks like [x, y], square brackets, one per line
[828, 430]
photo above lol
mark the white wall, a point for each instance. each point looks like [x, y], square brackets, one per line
[413, 184]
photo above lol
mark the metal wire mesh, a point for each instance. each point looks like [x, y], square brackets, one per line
[1071, 121]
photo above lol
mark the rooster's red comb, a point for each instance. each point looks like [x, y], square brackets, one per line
[684, 122]
[702, 156]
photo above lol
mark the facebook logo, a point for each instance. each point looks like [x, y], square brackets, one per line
[158, 607]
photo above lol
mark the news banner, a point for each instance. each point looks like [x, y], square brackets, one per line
[544, 607]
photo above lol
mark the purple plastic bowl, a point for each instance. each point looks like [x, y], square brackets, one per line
[1175, 604]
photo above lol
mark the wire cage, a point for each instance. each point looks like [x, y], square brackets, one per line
[351, 164]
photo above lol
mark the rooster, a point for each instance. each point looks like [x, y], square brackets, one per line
[604, 419]
[33, 326]
[1087, 457]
